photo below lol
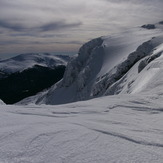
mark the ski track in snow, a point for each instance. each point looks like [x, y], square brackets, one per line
[120, 128]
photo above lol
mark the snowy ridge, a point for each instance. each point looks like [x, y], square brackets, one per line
[121, 69]
[143, 73]
[1, 102]
[80, 73]
[78, 67]
[102, 62]
[25, 61]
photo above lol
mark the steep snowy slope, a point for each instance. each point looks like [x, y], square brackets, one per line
[145, 76]
[102, 62]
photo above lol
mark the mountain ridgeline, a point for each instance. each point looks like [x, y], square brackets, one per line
[109, 65]
[123, 63]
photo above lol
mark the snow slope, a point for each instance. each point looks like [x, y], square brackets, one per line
[102, 62]
[1, 102]
[121, 128]
[25, 61]
[142, 76]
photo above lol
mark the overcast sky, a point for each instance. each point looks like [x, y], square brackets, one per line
[64, 25]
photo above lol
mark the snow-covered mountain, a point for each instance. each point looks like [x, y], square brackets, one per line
[29, 60]
[28, 74]
[121, 128]
[109, 65]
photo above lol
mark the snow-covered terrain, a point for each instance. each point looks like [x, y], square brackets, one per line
[139, 77]
[107, 65]
[111, 129]
[124, 127]
[26, 61]
[1, 102]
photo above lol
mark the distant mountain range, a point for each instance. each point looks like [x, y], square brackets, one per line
[28, 74]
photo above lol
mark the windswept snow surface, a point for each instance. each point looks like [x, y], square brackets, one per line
[112, 129]
[102, 64]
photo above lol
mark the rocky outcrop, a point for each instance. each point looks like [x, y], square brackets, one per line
[149, 26]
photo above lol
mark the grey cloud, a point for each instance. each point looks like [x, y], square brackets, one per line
[42, 28]
[11, 26]
[59, 25]
[52, 36]
[23, 34]
[57, 42]
[69, 42]
[38, 35]
[56, 23]
[11, 42]
[18, 42]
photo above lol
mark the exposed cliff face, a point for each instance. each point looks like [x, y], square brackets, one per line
[79, 75]
[83, 66]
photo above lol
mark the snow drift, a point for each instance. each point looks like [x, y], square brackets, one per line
[1, 102]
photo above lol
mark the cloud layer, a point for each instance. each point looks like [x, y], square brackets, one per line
[55, 25]
[52, 26]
